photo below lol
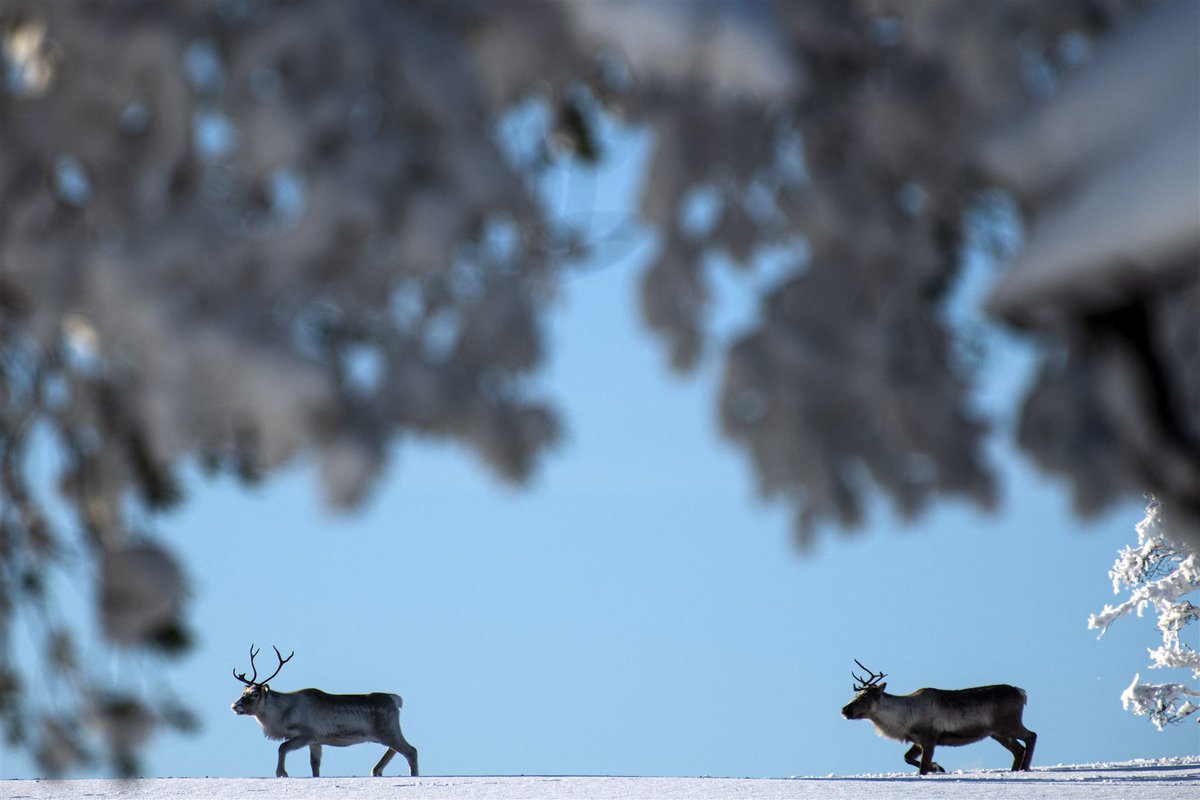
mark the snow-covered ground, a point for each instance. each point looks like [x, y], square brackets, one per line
[1131, 780]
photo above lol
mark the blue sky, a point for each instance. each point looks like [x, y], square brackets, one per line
[637, 610]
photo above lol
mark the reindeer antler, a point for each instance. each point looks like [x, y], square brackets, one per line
[242, 677]
[282, 661]
[253, 681]
[861, 683]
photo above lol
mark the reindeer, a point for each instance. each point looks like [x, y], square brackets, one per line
[953, 717]
[311, 718]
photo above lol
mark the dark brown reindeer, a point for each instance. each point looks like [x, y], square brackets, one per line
[953, 717]
[311, 718]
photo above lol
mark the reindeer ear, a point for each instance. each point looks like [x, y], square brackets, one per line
[882, 687]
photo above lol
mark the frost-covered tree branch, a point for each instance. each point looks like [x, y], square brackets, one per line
[1158, 572]
[1165, 703]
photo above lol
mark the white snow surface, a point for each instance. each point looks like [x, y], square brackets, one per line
[1130, 780]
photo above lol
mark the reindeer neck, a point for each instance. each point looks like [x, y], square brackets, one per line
[893, 714]
[275, 699]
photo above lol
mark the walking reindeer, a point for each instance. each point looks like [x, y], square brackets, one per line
[311, 718]
[952, 717]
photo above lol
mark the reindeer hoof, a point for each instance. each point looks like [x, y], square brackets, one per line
[280, 773]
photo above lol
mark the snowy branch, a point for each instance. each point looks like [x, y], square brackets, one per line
[1164, 703]
[1159, 571]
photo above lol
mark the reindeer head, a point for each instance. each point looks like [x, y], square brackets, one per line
[256, 691]
[869, 691]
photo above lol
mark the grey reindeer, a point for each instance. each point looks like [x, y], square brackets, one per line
[311, 718]
[952, 717]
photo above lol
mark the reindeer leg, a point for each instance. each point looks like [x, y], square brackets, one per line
[1014, 747]
[383, 762]
[911, 755]
[1030, 740]
[927, 764]
[410, 755]
[397, 744]
[314, 758]
[394, 740]
[284, 749]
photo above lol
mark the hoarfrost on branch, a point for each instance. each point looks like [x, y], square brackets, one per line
[1158, 572]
